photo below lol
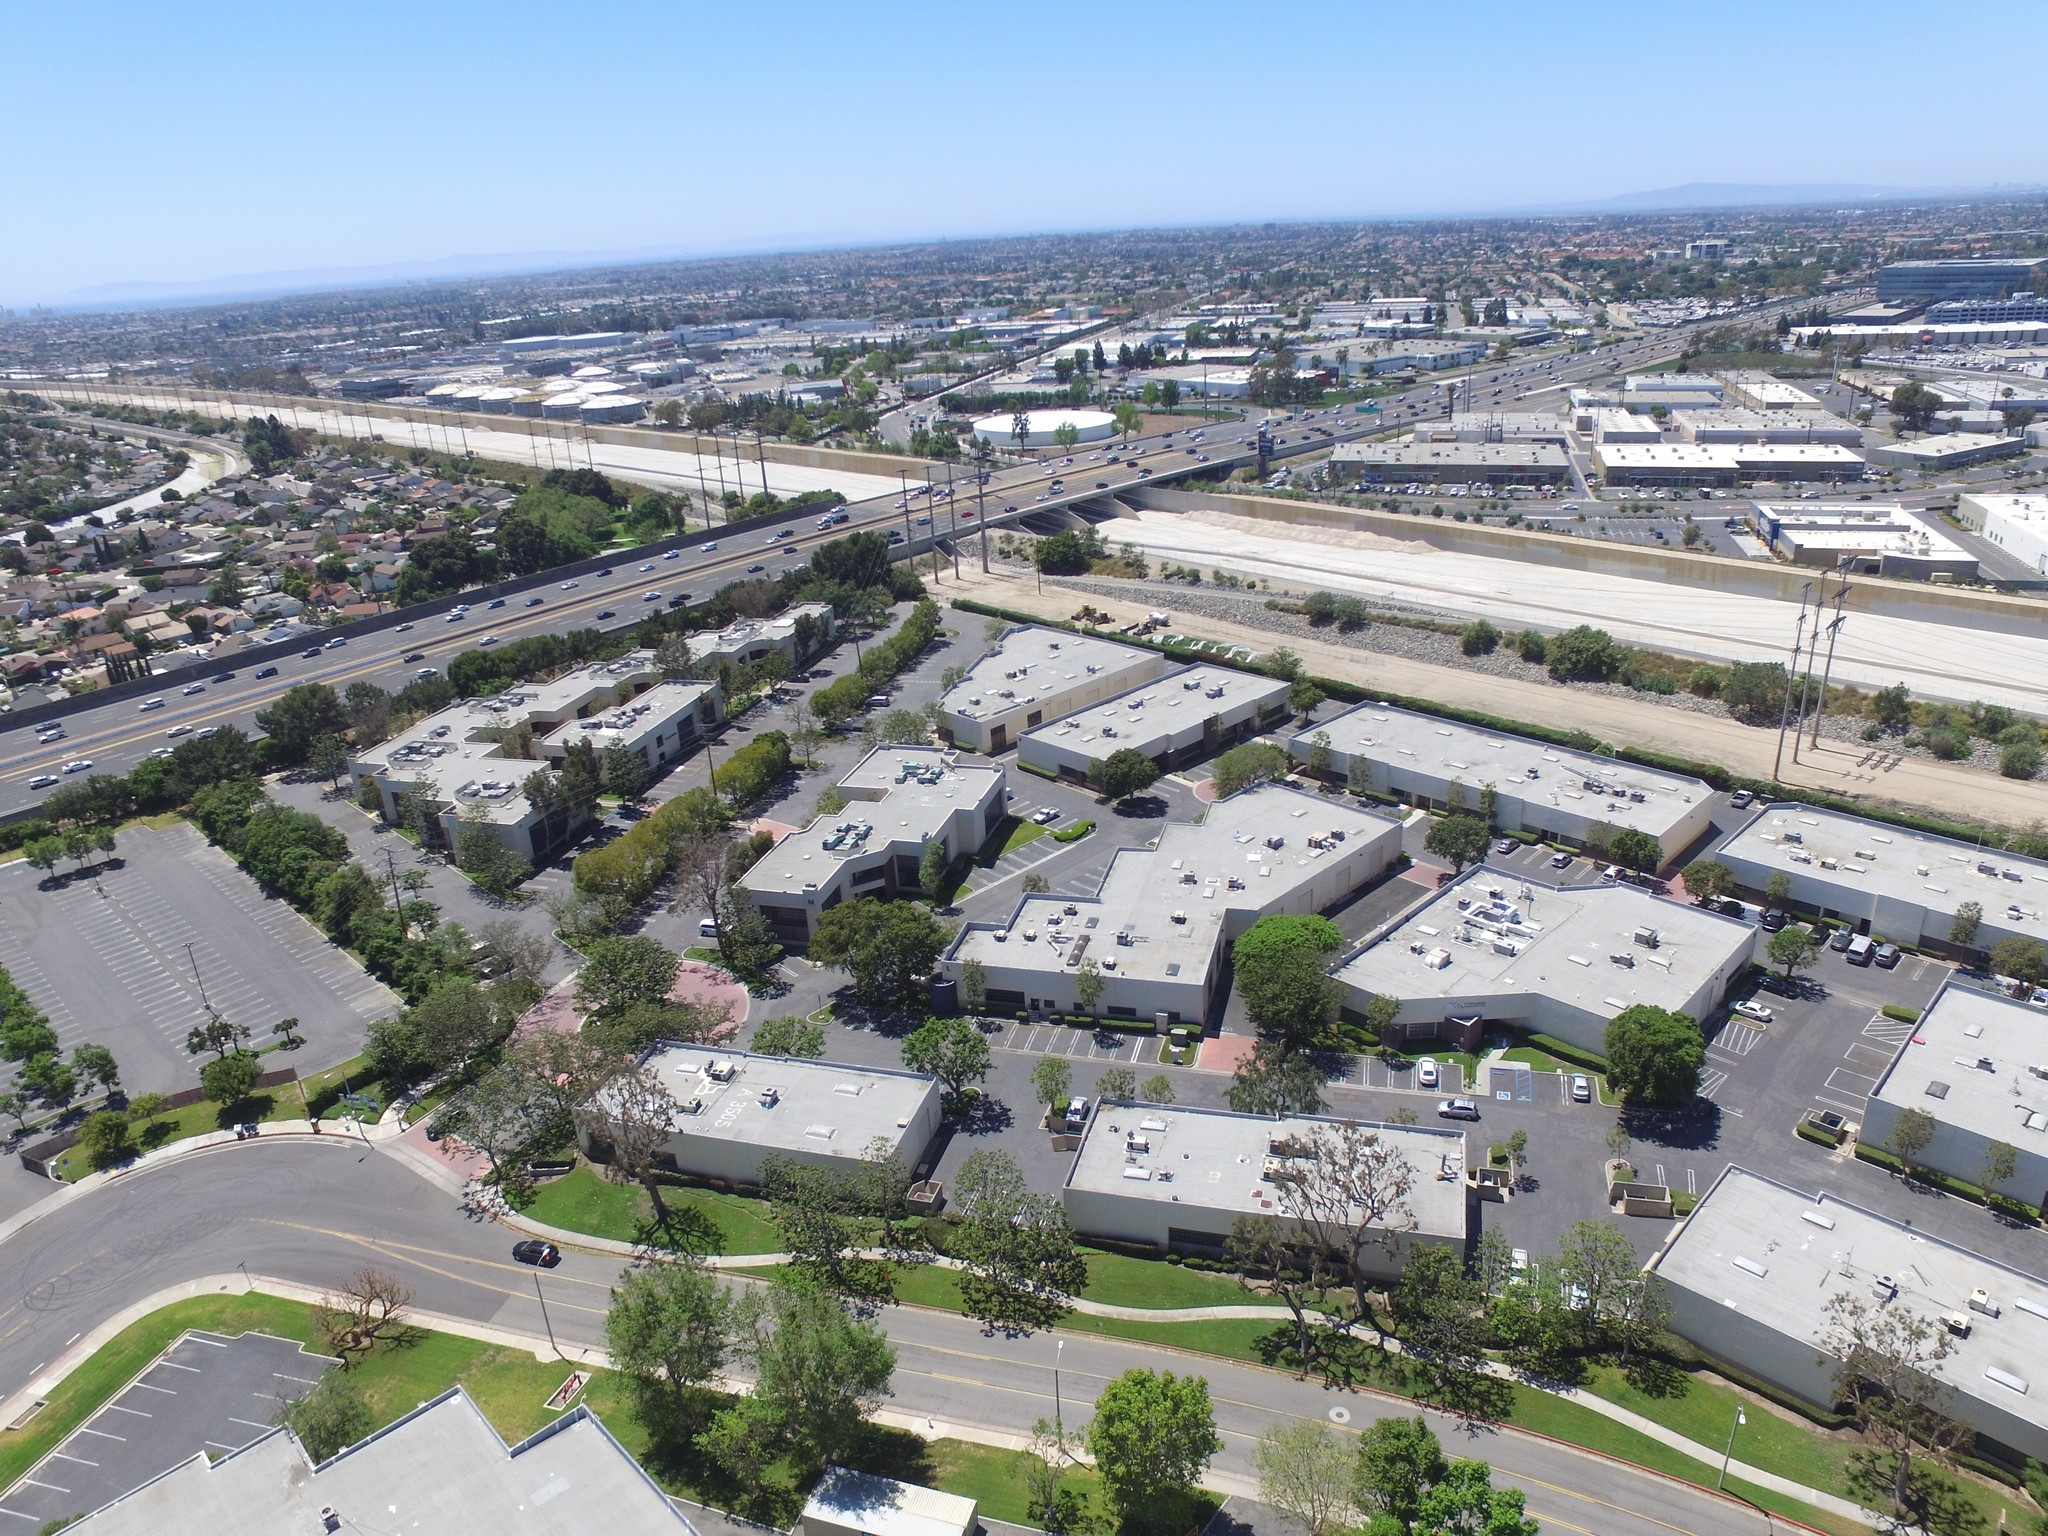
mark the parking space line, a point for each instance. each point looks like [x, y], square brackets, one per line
[173, 1365]
[37, 1482]
[152, 1387]
[118, 1408]
[87, 1429]
[250, 1422]
[62, 1456]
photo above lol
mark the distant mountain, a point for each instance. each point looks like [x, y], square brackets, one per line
[1735, 194]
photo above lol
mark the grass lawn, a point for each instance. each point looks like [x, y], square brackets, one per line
[1122, 1281]
[586, 1201]
[1543, 1061]
[994, 1479]
[200, 1119]
[1011, 832]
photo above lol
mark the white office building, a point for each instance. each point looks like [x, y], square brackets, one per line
[1033, 675]
[1749, 1276]
[1178, 1178]
[1187, 714]
[796, 634]
[1749, 426]
[1890, 882]
[1155, 930]
[900, 800]
[2016, 524]
[1870, 537]
[1761, 391]
[1492, 950]
[734, 1109]
[1554, 792]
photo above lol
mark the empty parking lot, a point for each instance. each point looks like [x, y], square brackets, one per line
[134, 958]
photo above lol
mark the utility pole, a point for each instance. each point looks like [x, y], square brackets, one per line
[1806, 679]
[193, 961]
[397, 903]
[1834, 628]
[981, 513]
[761, 459]
[1785, 709]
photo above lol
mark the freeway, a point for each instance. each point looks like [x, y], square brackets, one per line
[313, 1213]
[114, 736]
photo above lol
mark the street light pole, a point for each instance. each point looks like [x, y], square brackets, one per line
[1729, 1453]
[193, 961]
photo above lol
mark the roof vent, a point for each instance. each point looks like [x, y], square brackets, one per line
[2003, 1378]
[1750, 1266]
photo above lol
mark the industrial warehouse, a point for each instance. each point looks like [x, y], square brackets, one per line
[1172, 720]
[1033, 675]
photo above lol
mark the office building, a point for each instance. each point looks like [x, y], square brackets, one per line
[1867, 537]
[465, 761]
[796, 634]
[1154, 932]
[1559, 794]
[1033, 675]
[2021, 306]
[1750, 1274]
[1431, 463]
[1650, 388]
[1177, 1179]
[1977, 1065]
[442, 1468]
[1176, 719]
[1888, 881]
[733, 1110]
[1992, 277]
[1950, 450]
[1723, 464]
[1493, 949]
[1748, 426]
[900, 800]
[2016, 524]
[1611, 424]
[1760, 391]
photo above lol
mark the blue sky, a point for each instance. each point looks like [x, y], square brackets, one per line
[171, 144]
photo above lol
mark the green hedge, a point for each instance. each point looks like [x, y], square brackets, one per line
[1043, 773]
[1819, 1134]
[1900, 1015]
[1075, 833]
[1590, 1061]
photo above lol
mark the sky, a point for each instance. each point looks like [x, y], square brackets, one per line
[159, 144]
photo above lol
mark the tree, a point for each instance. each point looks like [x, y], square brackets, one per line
[1479, 638]
[330, 1418]
[2021, 958]
[1305, 1471]
[640, 1116]
[1157, 1089]
[1793, 948]
[1052, 1079]
[1279, 964]
[1889, 1370]
[46, 1075]
[1461, 839]
[889, 947]
[669, 1330]
[1275, 1080]
[496, 1115]
[1778, 890]
[327, 759]
[1241, 767]
[1464, 1502]
[371, 1305]
[2001, 1161]
[1915, 405]
[1399, 1460]
[1438, 1311]
[218, 1035]
[1636, 850]
[1755, 691]
[1610, 1299]
[299, 718]
[623, 771]
[819, 1373]
[1020, 1266]
[103, 1138]
[973, 985]
[789, 1035]
[1303, 696]
[1127, 772]
[1347, 1187]
[826, 1215]
[1088, 984]
[931, 869]
[43, 852]
[1152, 1435]
[1708, 880]
[481, 855]
[95, 1064]
[1654, 1055]
[1911, 1133]
[617, 973]
[1584, 654]
[952, 1050]
[231, 1079]
[1117, 1085]
[1962, 930]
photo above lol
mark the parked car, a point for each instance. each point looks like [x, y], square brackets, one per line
[1582, 1088]
[1752, 1010]
[1772, 922]
[1505, 845]
[1426, 1072]
[1045, 816]
[533, 1251]
[1840, 940]
[1887, 955]
[1457, 1109]
[1740, 799]
[1077, 1114]
[1560, 860]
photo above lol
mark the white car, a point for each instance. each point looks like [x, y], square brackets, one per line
[1425, 1073]
[568, 586]
[192, 688]
[162, 752]
[78, 765]
[674, 554]
[488, 640]
[42, 781]
[1750, 1010]
[647, 565]
[1045, 816]
[179, 730]
[148, 704]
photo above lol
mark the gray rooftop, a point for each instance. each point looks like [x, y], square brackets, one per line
[1214, 1159]
[1987, 1056]
[1148, 716]
[1033, 663]
[440, 1469]
[821, 1108]
[1426, 454]
[1556, 942]
[1776, 1255]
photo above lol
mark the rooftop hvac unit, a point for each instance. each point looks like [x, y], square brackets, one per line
[1958, 1323]
[721, 1071]
[691, 1106]
[1980, 1301]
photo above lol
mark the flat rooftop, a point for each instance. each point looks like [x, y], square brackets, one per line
[1672, 383]
[1573, 944]
[1213, 1159]
[1911, 867]
[1776, 1255]
[1479, 455]
[1981, 1052]
[1534, 770]
[441, 1468]
[742, 634]
[783, 1103]
[881, 1506]
[1148, 716]
[1768, 391]
[1032, 663]
[1199, 871]
[626, 724]
[897, 795]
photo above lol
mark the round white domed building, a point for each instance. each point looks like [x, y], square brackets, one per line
[1089, 427]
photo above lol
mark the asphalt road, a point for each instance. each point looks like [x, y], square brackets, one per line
[312, 1213]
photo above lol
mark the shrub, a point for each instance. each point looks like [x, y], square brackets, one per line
[1819, 1134]
[1075, 833]
[1900, 1015]
[1478, 638]
[2020, 759]
[1530, 645]
[1704, 681]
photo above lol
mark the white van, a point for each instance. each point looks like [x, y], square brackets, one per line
[707, 927]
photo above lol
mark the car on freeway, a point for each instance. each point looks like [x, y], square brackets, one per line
[786, 533]
[674, 554]
[604, 570]
[426, 672]
[927, 518]
[148, 704]
[179, 730]
[455, 618]
[496, 602]
[164, 752]
[403, 628]
[191, 688]
[650, 597]
[756, 569]
[1457, 1109]
[1102, 485]
[533, 1251]
[607, 613]
[1145, 474]
[709, 548]
[1505, 845]
[206, 732]
[1045, 816]
[1582, 1088]
[647, 565]
[488, 640]
[266, 671]
[414, 656]
[42, 781]
[1752, 1010]
[222, 677]
[533, 602]
[78, 765]
[568, 586]
[311, 653]
[337, 642]
[1426, 1074]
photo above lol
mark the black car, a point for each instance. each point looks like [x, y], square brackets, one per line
[266, 671]
[607, 613]
[606, 571]
[1773, 921]
[755, 570]
[534, 602]
[310, 653]
[223, 677]
[533, 1251]
[414, 656]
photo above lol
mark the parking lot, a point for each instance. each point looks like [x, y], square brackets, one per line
[205, 1393]
[134, 957]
